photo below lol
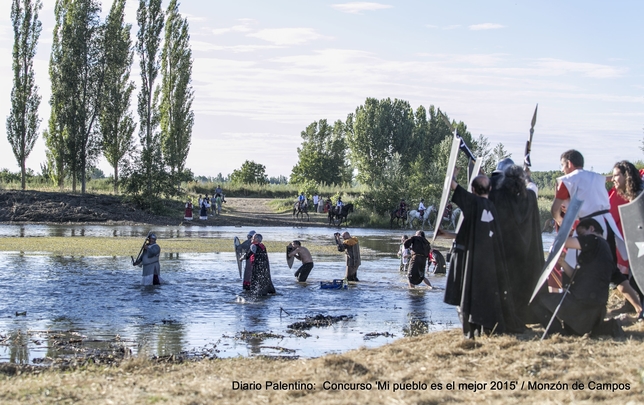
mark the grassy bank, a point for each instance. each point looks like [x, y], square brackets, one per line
[429, 369]
[98, 246]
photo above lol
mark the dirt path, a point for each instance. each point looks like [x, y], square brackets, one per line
[256, 212]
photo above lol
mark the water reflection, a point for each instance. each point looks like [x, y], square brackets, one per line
[19, 347]
[170, 338]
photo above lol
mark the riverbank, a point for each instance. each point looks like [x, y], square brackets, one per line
[40, 207]
[430, 369]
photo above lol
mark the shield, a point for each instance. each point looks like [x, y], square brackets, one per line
[475, 172]
[453, 154]
[632, 215]
[559, 242]
[289, 260]
[238, 252]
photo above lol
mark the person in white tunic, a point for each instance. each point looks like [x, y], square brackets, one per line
[590, 188]
[149, 260]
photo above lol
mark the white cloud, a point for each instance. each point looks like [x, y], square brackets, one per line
[192, 17]
[287, 36]
[557, 66]
[486, 26]
[359, 7]
[244, 26]
[202, 46]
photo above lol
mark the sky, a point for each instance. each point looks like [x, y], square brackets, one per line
[264, 70]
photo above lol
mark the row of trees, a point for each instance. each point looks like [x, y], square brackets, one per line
[91, 91]
[396, 151]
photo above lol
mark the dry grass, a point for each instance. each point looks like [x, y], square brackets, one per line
[440, 358]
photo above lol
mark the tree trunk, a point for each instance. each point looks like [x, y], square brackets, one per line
[116, 179]
[23, 171]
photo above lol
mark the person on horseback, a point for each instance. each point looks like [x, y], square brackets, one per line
[301, 201]
[403, 208]
[339, 205]
[421, 208]
[448, 212]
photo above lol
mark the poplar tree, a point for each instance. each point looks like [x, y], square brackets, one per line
[177, 117]
[23, 121]
[149, 16]
[83, 74]
[76, 70]
[55, 134]
[116, 122]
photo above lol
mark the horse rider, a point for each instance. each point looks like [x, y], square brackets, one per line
[301, 200]
[403, 208]
[448, 211]
[339, 205]
[421, 207]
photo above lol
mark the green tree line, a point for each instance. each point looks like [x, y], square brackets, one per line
[91, 91]
[395, 151]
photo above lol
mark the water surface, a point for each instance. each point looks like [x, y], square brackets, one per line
[202, 309]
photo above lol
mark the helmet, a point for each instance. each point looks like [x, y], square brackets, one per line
[250, 234]
[503, 164]
[152, 236]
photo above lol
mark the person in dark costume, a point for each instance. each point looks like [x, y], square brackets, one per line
[584, 307]
[203, 211]
[248, 268]
[477, 281]
[260, 280]
[420, 249]
[518, 218]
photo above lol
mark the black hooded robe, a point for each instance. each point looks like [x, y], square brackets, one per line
[477, 281]
[260, 279]
[518, 219]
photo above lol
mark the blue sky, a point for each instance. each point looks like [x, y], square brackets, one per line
[264, 70]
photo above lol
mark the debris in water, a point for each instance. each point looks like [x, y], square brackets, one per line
[372, 335]
[318, 321]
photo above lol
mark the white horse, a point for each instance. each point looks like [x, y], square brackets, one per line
[413, 217]
[452, 220]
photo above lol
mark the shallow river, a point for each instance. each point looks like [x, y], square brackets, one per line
[202, 309]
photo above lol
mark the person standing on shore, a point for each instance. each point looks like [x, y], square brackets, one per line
[301, 253]
[477, 282]
[188, 214]
[149, 260]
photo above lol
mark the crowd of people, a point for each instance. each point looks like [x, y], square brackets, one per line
[497, 254]
[207, 206]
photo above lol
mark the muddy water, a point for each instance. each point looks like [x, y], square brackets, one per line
[66, 306]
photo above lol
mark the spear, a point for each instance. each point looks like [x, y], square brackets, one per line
[528, 144]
